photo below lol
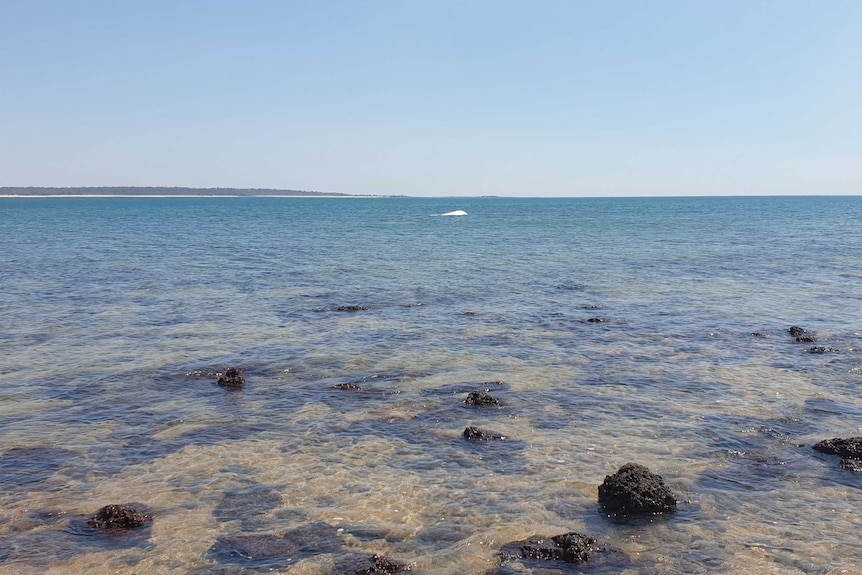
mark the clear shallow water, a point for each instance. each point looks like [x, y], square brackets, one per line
[117, 313]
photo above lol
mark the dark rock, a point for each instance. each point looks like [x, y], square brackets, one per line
[473, 433]
[351, 308]
[806, 339]
[232, 378]
[597, 320]
[481, 398]
[117, 517]
[821, 349]
[759, 334]
[471, 313]
[851, 464]
[591, 307]
[795, 331]
[850, 448]
[569, 547]
[377, 565]
[634, 489]
[347, 386]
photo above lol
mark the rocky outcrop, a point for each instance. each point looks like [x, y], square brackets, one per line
[117, 517]
[473, 433]
[482, 398]
[850, 448]
[635, 490]
[232, 378]
[568, 547]
[347, 386]
[351, 308]
[796, 331]
[377, 565]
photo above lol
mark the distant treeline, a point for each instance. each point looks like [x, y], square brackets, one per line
[157, 191]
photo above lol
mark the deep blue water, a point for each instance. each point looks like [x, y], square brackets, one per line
[622, 330]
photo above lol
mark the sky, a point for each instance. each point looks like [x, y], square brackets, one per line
[435, 97]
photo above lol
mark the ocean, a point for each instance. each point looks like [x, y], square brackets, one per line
[621, 330]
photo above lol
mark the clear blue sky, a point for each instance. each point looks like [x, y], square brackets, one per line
[428, 98]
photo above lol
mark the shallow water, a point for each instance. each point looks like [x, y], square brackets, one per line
[118, 314]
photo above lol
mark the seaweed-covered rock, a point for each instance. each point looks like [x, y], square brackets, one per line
[481, 398]
[473, 433]
[634, 489]
[795, 331]
[117, 517]
[232, 378]
[351, 308]
[850, 448]
[569, 547]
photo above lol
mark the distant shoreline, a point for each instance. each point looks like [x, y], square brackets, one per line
[31, 196]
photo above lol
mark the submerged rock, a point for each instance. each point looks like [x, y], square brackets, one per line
[25, 465]
[634, 489]
[597, 320]
[851, 464]
[263, 550]
[232, 378]
[806, 339]
[759, 334]
[850, 448]
[481, 398]
[569, 547]
[117, 517]
[821, 349]
[351, 308]
[473, 433]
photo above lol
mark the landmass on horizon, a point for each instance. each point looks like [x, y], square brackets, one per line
[162, 191]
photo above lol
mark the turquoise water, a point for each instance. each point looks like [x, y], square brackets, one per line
[117, 314]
